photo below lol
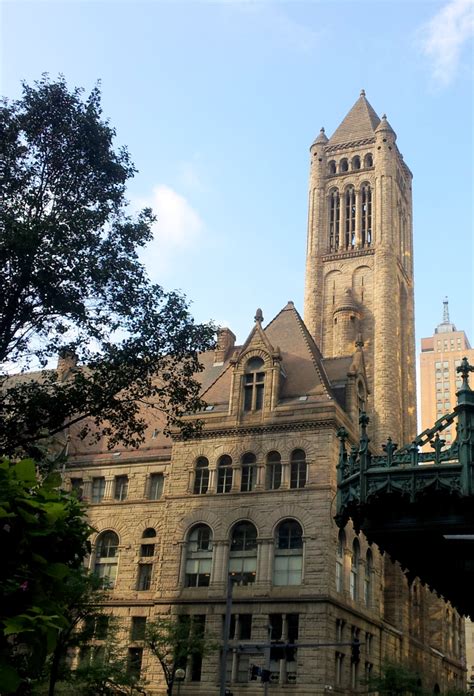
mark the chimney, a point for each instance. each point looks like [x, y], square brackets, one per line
[225, 343]
[67, 361]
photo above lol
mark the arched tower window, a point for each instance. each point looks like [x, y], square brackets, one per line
[341, 543]
[356, 162]
[106, 558]
[201, 476]
[288, 554]
[368, 161]
[199, 556]
[334, 220]
[369, 565]
[355, 558]
[249, 472]
[243, 553]
[350, 218]
[366, 228]
[332, 167]
[224, 474]
[298, 469]
[273, 470]
[344, 165]
[254, 383]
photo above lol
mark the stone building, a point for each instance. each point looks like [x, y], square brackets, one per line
[254, 495]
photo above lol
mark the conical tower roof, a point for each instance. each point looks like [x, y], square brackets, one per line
[359, 124]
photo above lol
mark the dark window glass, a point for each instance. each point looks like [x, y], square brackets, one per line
[147, 550]
[224, 474]
[248, 472]
[138, 628]
[144, 576]
[121, 488]
[201, 480]
[155, 486]
[134, 665]
[298, 469]
[273, 470]
[290, 535]
[149, 533]
[98, 489]
[77, 487]
[244, 537]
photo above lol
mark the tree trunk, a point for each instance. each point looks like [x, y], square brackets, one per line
[53, 675]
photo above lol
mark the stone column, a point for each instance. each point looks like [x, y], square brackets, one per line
[235, 665]
[219, 566]
[109, 488]
[212, 481]
[265, 557]
[358, 221]
[86, 487]
[236, 478]
[285, 474]
[182, 563]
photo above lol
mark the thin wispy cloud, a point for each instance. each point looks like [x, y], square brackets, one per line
[176, 231]
[443, 38]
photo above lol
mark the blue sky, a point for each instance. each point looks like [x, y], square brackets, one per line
[218, 103]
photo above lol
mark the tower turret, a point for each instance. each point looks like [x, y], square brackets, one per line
[359, 239]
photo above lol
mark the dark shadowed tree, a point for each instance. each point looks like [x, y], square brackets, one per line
[72, 283]
[175, 641]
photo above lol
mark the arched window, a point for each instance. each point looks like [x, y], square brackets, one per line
[332, 167]
[355, 558]
[106, 558]
[199, 556]
[369, 565]
[249, 472]
[224, 474]
[368, 161]
[288, 554]
[366, 227]
[356, 162]
[298, 469]
[344, 165]
[243, 553]
[147, 548]
[201, 476]
[349, 218]
[273, 470]
[145, 566]
[334, 220]
[254, 383]
[341, 543]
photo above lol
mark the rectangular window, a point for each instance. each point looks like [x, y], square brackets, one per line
[155, 486]
[98, 489]
[147, 550]
[288, 570]
[77, 487]
[138, 628]
[339, 662]
[121, 488]
[248, 478]
[298, 475]
[198, 572]
[144, 576]
[134, 666]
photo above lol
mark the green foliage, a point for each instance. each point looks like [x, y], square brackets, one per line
[174, 640]
[44, 538]
[72, 283]
[395, 679]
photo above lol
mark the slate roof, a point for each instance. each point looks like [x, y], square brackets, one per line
[359, 124]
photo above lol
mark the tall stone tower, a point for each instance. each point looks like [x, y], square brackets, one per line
[359, 264]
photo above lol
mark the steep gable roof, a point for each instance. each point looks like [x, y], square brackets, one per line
[359, 124]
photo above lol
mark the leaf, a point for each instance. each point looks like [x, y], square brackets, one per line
[26, 471]
[57, 570]
[9, 679]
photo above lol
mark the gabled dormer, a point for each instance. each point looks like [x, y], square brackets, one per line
[256, 375]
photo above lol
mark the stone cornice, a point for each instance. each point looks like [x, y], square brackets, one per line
[245, 430]
[348, 254]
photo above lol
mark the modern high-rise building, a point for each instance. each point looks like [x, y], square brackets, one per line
[254, 494]
[440, 355]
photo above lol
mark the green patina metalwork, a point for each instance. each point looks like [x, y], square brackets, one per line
[405, 485]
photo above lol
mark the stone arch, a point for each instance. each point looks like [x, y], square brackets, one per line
[113, 524]
[240, 515]
[254, 353]
[199, 516]
[362, 280]
[288, 511]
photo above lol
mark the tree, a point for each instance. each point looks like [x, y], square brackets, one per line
[175, 640]
[44, 538]
[72, 284]
[395, 680]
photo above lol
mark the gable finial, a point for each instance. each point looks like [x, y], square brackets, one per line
[362, 92]
[258, 316]
[359, 341]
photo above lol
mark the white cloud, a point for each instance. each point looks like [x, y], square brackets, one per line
[443, 37]
[176, 231]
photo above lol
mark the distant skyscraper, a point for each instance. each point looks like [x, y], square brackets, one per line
[439, 381]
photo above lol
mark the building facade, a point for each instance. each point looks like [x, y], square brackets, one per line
[440, 355]
[254, 494]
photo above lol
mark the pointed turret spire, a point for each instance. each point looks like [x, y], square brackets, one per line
[446, 325]
[360, 123]
[385, 127]
[445, 311]
[322, 137]
[258, 316]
